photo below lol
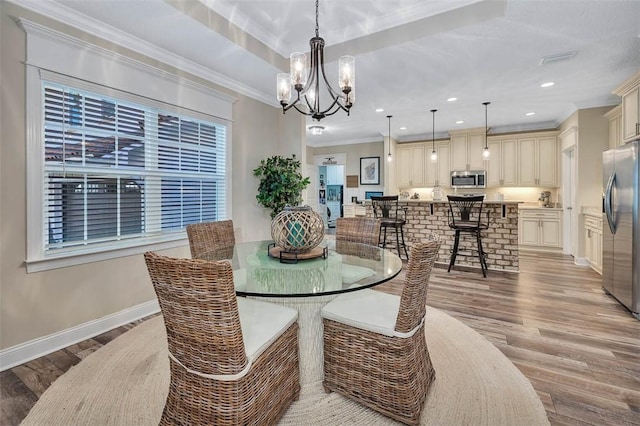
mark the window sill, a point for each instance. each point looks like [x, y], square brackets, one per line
[80, 258]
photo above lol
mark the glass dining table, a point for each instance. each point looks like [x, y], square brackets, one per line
[307, 285]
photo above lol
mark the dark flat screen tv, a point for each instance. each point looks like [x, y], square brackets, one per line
[369, 194]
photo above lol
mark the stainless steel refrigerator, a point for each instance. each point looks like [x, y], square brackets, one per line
[621, 233]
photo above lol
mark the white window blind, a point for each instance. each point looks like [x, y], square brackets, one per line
[119, 172]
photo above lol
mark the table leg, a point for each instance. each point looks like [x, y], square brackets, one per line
[310, 339]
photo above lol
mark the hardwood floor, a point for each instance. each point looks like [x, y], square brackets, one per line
[579, 348]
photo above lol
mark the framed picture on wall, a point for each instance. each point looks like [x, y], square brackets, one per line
[369, 170]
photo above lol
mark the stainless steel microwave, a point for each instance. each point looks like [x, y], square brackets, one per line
[469, 179]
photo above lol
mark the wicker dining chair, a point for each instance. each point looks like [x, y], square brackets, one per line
[358, 230]
[358, 236]
[375, 350]
[233, 360]
[206, 238]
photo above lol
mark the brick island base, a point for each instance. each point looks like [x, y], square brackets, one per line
[500, 241]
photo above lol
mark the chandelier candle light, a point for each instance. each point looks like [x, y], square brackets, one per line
[389, 155]
[485, 151]
[434, 155]
[307, 83]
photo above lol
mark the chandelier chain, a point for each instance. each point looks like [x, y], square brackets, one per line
[317, 27]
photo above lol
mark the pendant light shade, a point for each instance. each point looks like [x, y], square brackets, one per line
[485, 151]
[434, 155]
[389, 159]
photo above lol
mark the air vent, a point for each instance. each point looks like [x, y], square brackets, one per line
[560, 57]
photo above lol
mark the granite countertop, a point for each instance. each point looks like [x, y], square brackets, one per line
[530, 207]
[592, 211]
[445, 201]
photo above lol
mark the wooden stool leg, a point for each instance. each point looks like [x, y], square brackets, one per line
[404, 246]
[483, 265]
[454, 253]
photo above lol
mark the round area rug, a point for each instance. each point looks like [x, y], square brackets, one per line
[126, 383]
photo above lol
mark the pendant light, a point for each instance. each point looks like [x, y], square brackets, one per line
[485, 151]
[389, 155]
[434, 155]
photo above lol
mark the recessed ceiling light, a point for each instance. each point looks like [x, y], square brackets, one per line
[403, 128]
[530, 113]
[460, 122]
[452, 99]
[379, 109]
[547, 84]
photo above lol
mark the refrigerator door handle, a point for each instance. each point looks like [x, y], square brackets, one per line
[608, 201]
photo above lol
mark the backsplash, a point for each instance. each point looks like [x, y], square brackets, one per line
[528, 195]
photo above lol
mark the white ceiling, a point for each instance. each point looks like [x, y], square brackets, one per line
[411, 55]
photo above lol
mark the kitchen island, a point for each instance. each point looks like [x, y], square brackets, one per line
[500, 241]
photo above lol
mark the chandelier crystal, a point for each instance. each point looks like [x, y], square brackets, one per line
[306, 82]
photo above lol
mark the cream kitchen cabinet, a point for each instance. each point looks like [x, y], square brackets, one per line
[540, 229]
[615, 126]
[501, 167]
[466, 149]
[438, 173]
[353, 210]
[629, 91]
[593, 242]
[410, 169]
[538, 161]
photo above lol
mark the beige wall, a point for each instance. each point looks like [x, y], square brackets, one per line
[40, 304]
[352, 167]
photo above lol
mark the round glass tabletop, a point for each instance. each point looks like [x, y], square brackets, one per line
[346, 267]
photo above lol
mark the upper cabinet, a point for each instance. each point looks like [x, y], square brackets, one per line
[334, 175]
[629, 91]
[615, 126]
[538, 161]
[410, 169]
[466, 149]
[501, 166]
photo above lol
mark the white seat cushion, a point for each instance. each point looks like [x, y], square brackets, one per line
[367, 310]
[352, 273]
[262, 323]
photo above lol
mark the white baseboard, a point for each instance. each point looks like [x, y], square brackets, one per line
[41, 346]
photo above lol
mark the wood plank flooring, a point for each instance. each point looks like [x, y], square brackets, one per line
[579, 348]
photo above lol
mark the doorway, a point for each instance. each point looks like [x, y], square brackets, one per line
[331, 194]
[330, 178]
[569, 213]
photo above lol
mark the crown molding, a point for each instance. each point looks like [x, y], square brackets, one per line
[70, 17]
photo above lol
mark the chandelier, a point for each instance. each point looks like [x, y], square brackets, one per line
[306, 82]
[485, 151]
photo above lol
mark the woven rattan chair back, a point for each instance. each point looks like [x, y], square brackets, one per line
[200, 311]
[358, 230]
[414, 292]
[213, 240]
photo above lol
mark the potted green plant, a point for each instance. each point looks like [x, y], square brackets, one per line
[281, 183]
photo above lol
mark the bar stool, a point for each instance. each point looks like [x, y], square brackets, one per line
[388, 211]
[465, 216]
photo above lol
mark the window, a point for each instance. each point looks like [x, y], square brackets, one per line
[124, 171]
